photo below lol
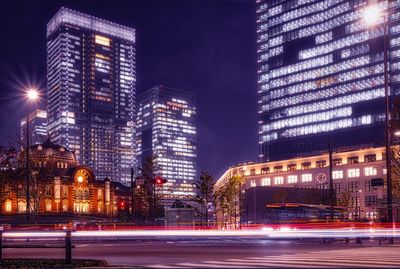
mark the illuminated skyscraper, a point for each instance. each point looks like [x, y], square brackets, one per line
[37, 127]
[166, 130]
[320, 75]
[91, 91]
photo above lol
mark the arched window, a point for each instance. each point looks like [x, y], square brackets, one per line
[77, 207]
[21, 206]
[48, 204]
[8, 205]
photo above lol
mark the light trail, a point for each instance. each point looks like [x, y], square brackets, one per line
[259, 233]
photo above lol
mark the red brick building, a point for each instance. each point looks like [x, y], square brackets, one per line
[58, 184]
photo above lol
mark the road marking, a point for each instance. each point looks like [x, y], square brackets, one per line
[82, 246]
[327, 259]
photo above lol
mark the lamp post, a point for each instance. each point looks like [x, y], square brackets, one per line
[32, 95]
[371, 15]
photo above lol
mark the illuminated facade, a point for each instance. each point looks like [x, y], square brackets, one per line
[37, 127]
[167, 132]
[352, 174]
[58, 185]
[320, 75]
[91, 91]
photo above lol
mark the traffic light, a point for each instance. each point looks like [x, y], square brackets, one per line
[159, 180]
[122, 205]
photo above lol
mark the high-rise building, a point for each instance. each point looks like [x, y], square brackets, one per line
[91, 91]
[37, 121]
[166, 132]
[321, 75]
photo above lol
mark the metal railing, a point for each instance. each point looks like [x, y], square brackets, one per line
[66, 234]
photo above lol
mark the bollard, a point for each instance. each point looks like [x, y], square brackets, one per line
[68, 247]
[358, 240]
[1, 244]
[347, 240]
[391, 241]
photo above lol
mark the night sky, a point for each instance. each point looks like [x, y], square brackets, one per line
[208, 47]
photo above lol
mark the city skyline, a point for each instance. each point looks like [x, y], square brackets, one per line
[211, 89]
[200, 133]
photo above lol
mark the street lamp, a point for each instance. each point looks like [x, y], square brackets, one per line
[32, 95]
[372, 14]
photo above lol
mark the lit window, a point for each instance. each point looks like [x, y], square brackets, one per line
[338, 174]
[8, 205]
[48, 204]
[100, 193]
[266, 181]
[65, 205]
[21, 206]
[100, 207]
[292, 179]
[353, 172]
[278, 180]
[306, 177]
[253, 183]
[370, 171]
[102, 40]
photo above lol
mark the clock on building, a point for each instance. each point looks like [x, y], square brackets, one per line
[81, 176]
[321, 178]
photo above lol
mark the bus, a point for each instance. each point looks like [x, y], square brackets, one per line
[301, 213]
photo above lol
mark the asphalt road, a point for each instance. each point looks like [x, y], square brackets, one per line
[225, 253]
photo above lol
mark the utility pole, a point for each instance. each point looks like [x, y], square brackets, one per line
[387, 121]
[28, 198]
[331, 190]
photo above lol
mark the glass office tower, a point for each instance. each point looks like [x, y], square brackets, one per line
[166, 131]
[37, 121]
[320, 75]
[91, 91]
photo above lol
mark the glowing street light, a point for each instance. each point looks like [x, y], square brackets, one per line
[32, 94]
[371, 15]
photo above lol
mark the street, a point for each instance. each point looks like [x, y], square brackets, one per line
[226, 253]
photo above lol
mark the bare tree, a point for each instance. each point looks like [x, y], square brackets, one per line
[8, 165]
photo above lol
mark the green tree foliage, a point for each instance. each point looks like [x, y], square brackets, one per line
[229, 201]
[205, 195]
